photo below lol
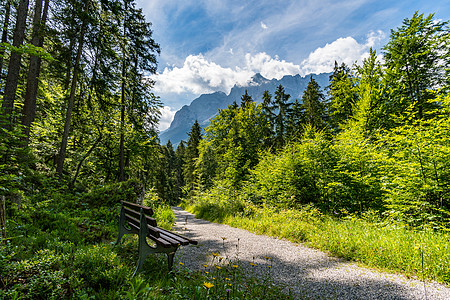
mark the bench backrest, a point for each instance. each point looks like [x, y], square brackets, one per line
[132, 214]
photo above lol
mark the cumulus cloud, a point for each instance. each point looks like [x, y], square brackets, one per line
[263, 26]
[167, 115]
[270, 67]
[343, 50]
[200, 76]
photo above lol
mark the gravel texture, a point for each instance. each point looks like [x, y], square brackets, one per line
[307, 273]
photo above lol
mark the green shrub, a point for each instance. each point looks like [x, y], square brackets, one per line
[111, 194]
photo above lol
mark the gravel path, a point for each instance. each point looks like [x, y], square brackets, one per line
[308, 273]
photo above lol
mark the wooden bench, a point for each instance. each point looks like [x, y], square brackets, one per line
[137, 219]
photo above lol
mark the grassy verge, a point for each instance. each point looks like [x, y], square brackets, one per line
[60, 248]
[376, 243]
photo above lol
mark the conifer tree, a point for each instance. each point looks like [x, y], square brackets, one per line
[191, 155]
[14, 66]
[342, 95]
[313, 107]
[246, 99]
[281, 107]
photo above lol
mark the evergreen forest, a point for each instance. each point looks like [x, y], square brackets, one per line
[367, 156]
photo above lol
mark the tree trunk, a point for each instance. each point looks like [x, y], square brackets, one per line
[29, 107]
[122, 111]
[3, 217]
[14, 66]
[65, 137]
[4, 35]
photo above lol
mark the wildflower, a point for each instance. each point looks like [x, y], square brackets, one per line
[218, 268]
[228, 279]
[205, 266]
[224, 238]
[214, 278]
[252, 264]
[208, 285]
[267, 257]
[206, 272]
[269, 267]
[215, 254]
[181, 263]
[235, 266]
[230, 284]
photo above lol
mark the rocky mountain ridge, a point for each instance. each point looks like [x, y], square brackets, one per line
[206, 106]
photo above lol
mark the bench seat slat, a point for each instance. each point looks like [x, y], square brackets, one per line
[181, 239]
[161, 241]
[173, 239]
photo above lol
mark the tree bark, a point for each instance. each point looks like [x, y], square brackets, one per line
[86, 156]
[29, 107]
[14, 66]
[65, 137]
[3, 217]
[122, 111]
[4, 35]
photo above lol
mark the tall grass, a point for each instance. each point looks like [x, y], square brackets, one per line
[368, 238]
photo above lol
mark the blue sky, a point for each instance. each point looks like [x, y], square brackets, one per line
[211, 45]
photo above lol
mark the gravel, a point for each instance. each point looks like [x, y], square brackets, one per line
[307, 273]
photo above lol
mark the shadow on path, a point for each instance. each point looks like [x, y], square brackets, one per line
[307, 273]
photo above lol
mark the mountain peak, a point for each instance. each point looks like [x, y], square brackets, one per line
[206, 106]
[258, 79]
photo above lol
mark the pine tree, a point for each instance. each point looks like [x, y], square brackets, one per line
[282, 108]
[313, 106]
[191, 155]
[34, 69]
[246, 99]
[342, 95]
[14, 66]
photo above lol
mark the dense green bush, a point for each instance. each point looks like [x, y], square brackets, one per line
[113, 193]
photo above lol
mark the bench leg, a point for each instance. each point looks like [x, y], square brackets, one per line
[145, 250]
[122, 229]
[170, 260]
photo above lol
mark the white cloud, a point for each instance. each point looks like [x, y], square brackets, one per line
[270, 67]
[343, 50]
[167, 115]
[199, 75]
[263, 26]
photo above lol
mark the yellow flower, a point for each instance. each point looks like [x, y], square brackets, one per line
[235, 266]
[267, 257]
[224, 238]
[230, 284]
[208, 285]
[228, 279]
[205, 266]
[215, 254]
[252, 264]
[181, 263]
[206, 272]
[214, 278]
[218, 268]
[269, 266]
